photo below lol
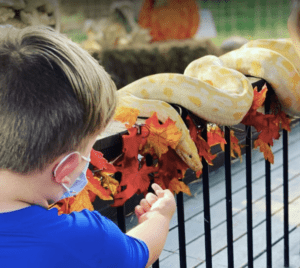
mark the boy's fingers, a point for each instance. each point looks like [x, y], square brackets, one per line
[139, 211]
[151, 198]
[145, 205]
[158, 190]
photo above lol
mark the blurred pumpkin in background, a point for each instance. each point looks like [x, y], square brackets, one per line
[170, 19]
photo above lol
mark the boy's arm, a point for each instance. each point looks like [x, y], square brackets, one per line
[154, 214]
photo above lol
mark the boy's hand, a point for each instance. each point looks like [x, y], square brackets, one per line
[162, 202]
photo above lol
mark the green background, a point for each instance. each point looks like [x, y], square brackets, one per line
[252, 19]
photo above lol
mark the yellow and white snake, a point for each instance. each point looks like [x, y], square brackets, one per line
[217, 90]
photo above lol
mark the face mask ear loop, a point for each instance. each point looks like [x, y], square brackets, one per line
[68, 189]
[86, 158]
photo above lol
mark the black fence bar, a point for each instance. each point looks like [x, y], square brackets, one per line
[206, 202]
[268, 198]
[228, 198]
[121, 218]
[286, 197]
[181, 230]
[156, 264]
[249, 195]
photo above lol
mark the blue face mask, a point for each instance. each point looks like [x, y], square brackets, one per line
[79, 183]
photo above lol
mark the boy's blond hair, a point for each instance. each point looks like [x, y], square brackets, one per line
[53, 97]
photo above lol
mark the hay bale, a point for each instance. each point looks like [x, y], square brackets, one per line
[128, 64]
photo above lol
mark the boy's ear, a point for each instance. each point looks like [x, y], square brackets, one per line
[67, 167]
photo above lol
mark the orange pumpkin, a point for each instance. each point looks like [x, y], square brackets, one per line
[178, 19]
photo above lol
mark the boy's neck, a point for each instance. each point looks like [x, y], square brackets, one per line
[12, 206]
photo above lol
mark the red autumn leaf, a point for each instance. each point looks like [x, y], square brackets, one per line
[136, 180]
[271, 131]
[284, 121]
[162, 135]
[132, 142]
[198, 173]
[98, 161]
[281, 118]
[266, 124]
[92, 196]
[170, 166]
[201, 144]
[215, 136]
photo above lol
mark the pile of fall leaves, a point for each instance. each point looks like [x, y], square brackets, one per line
[156, 143]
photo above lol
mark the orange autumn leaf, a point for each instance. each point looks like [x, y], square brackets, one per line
[234, 146]
[81, 202]
[63, 205]
[94, 185]
[259, 97]
[176, 186]
[110, 183]
[126, 115]
[147, 149]
[99, 190]
[265, 149]
[162, 136]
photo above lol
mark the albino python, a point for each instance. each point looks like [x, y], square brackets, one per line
[217, 90]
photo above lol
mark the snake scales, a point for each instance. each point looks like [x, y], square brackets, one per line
[217, 89]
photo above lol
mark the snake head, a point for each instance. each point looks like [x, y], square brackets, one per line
[188, 152]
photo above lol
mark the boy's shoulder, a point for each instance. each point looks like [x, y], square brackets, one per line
[85, 235]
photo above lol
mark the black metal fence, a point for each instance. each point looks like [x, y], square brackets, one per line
[229, 214]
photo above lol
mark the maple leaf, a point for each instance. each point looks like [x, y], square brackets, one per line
[81, 202]
[271, 130]
[63, 205]
[136, 180]
[170, 166]
[92, 196]
[265, 149]
[266, 124]
[110, 183]
[94, 185]
[177, 186]
[98, 161]
[259, 97]
[100, 191]
[133, 141]
[198, 173]
[284, 121]
[215, 136]
[201, 144]
[162, 136]
[126, 114]
[234, 146]
[204, 150]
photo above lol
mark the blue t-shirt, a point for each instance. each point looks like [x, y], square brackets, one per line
[39, 238]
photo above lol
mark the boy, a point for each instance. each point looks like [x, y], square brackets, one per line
[55, 99]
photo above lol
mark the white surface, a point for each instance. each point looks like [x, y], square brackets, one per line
[207, 28]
